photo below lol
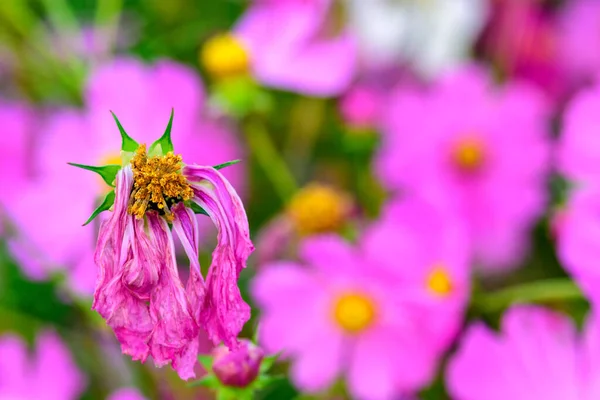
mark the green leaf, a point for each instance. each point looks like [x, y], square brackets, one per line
[197, 209]
[268, 362]
[206, 361]
[227, 164]
[109, 200]
[165, 142]
[107, 172]
[210, 381]
[127, 143]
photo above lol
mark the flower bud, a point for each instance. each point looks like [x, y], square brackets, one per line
[237, 367]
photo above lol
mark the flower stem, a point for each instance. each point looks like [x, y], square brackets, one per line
[265, 152]
[534, 292]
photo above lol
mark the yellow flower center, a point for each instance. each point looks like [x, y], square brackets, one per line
[225, 55]
[439, 282]
[469, 155]
[157, 183]
[318, 208]
[354, 312]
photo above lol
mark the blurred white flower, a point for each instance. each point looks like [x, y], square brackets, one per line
[430, 35]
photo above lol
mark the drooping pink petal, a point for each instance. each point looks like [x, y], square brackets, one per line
[185, 225]
[175, 336]
[125, 312]
[224, 312]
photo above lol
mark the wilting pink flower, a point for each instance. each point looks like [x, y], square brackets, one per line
[139, 292]
[537, 354]
[284, 41]
[485, 154]
[47, 373]
[54, 240]
[380, 313]
[238, 367]
[126, 394]
[361, 107]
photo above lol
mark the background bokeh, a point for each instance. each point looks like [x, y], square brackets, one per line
[453, 144]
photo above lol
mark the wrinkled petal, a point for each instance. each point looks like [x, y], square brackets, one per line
[224, 312]
[175, 336]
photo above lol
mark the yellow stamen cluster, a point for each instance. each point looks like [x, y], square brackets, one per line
[318, 208]
[439, 282]
[155, 180]
[354, 312]
[225, 55]
[469, 155]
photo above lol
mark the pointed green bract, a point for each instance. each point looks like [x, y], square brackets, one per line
[127, 143]
[197, 209]
[206, 361]
[107, 172]
[108, 202]
[165, 142]
[227, 164]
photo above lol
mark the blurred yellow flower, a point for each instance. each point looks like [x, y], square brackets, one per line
[224, 56]
[354, 312]
[439, 282]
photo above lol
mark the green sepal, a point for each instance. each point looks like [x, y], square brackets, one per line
[108, 202]
[227, 164]
[127, 143]
[107, 172]
[165, 142]
[197, 209]
[268, 362]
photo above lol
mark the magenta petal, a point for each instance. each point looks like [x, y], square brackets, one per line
[186, 227]
[224, 312]
[122, 310]
[175, 336]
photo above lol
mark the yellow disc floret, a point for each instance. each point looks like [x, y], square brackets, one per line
[156, 181]
[469, 154]
[318, 208]
[439, 282]
[225, 55]
[354, 312]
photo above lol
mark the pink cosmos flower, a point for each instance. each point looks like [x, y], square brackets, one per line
[536, 355]
[380, 313]
[54, 240]
[485, 154]
[49, 373]
[288, 49]
[578, 44]
[523, 39]
[139, 292]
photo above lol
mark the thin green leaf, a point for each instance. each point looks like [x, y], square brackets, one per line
[165, 142]
[109, 200]
[127, 143]
[268, 362]
[107, 172]
[197, 209]
[227, 164]
[206, 361]
[210, 381]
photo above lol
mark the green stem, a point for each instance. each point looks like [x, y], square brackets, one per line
[535, 292]
[265, 152]
[107, 17]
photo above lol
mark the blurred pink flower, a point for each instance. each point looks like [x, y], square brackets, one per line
[361, 106]
[522, 39]
[126, 394]
[578, 152]
[381, 314]
[139, 292]
[537, 355]
[288, 48]
[142, 96]
[49, 373]
[578, 41]
[480, 149]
